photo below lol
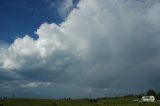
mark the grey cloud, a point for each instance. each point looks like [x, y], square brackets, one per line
[106, 44]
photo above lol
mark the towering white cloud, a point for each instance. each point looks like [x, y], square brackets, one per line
[102, 44]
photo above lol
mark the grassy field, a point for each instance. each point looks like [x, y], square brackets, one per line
[102, 102]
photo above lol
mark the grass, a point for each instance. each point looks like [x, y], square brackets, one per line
[101, 102]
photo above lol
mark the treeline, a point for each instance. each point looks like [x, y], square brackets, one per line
[150, 92]
[3, 97]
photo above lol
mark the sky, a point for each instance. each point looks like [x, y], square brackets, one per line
[79, 49]
[24, 17]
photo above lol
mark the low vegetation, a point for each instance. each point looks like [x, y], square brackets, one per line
[84, 102]
[128, 100]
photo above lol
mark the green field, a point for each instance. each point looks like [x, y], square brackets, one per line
[101, 102]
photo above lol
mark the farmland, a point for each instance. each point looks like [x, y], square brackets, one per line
[78, 102]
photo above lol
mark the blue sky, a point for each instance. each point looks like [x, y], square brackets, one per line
[86, 48]
[18, 18]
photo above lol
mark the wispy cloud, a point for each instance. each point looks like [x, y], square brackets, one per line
[65, 7]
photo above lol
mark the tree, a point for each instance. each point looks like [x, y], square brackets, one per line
[158, 96]
[151, 92]
[140, 95]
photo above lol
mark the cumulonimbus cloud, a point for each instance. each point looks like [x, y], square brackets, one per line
[107, 43]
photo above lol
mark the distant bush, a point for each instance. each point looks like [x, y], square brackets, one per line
[129, 96]
[54, 104]
[158, 96]
[67, 99]
[92, 100]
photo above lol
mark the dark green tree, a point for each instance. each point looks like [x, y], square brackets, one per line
[158, 96]
[151, 92]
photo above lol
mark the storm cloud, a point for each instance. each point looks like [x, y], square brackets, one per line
[111, 46]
